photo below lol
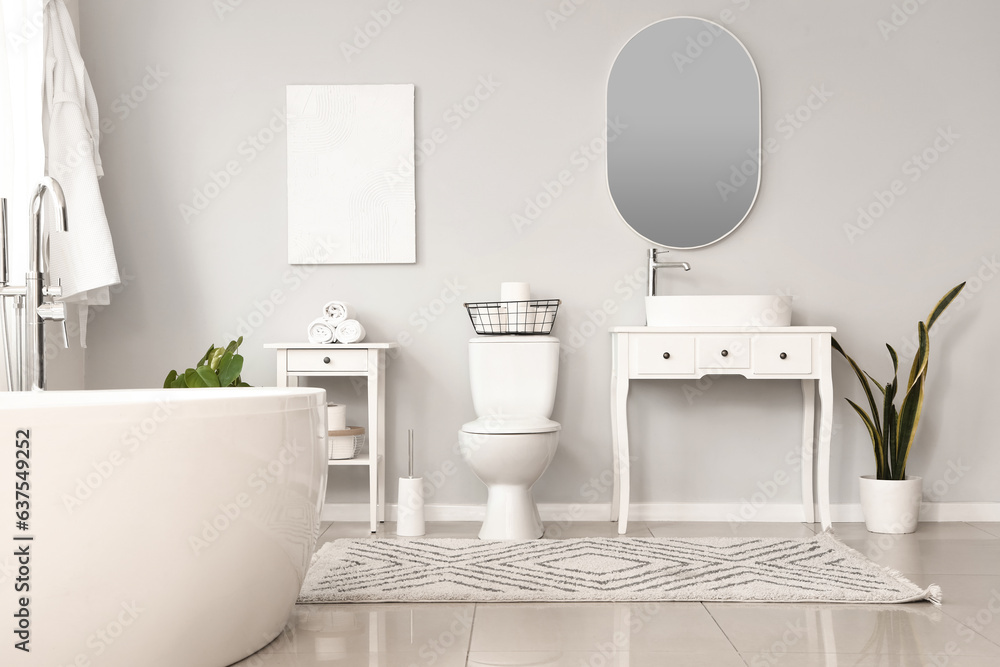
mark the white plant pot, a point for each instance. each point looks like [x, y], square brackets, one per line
[891, 505]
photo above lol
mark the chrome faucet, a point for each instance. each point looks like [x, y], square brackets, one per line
[654, 265]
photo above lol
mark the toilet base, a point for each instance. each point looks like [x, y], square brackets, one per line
[511, 514]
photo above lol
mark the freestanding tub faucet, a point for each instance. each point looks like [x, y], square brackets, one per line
[654, 265]
[38, 309]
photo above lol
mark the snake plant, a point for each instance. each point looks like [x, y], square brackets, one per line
[219, 367]
[892, 432]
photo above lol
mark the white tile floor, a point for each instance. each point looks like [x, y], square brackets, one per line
[964, 558]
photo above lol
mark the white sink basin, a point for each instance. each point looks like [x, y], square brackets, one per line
[719, 310]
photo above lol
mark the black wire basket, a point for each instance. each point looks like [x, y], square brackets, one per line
[518, 318]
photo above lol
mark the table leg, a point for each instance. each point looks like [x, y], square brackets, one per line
[381, 437]
[615, 470]
[374, 441]
[808, 443]
[621, 423]
[825, 432]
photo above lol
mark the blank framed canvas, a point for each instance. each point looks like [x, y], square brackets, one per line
[350, 174]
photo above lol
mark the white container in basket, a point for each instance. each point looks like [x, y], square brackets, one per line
[345, 443]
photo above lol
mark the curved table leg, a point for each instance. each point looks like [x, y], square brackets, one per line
[825, 432]
[620, 420]
[615, 470]
[808, 441]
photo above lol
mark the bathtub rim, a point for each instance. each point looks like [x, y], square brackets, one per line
[209, 401]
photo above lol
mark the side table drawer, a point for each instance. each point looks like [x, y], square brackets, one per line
[662, 354]
[780, 355]
[327, 360]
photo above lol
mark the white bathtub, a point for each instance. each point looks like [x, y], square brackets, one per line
[171, 528]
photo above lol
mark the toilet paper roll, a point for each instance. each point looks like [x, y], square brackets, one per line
[515, 291]
[321, 330]
[410, 507]
[338, 311]
[336, 417]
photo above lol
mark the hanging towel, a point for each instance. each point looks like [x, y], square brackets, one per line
[350, 331]
[83, 259]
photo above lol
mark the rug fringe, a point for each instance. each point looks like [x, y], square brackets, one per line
[931, 594]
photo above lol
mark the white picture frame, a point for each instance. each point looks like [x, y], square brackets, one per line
[351, 195]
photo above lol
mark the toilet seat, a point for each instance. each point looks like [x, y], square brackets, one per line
[493, 425]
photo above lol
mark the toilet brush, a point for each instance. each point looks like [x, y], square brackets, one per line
[410, 501]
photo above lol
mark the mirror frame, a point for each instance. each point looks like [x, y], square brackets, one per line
[760, 137]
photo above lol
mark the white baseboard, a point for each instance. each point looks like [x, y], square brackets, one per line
[773, 512]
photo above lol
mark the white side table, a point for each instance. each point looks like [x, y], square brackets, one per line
[343, 360]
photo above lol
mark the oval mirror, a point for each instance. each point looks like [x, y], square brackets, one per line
[684, 98]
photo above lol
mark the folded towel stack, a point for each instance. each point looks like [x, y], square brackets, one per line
[336, 325]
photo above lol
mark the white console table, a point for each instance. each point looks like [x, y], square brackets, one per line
[758, 353]
[343, 360]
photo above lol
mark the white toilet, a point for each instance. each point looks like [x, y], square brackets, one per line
[513, 441]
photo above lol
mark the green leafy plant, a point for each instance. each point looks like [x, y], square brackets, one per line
[892, 433]
[220, 367]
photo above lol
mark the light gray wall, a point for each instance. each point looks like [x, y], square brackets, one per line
[221, 78]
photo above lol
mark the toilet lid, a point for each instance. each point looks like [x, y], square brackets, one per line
[511, 425]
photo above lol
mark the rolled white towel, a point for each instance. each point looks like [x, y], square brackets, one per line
[338, 311]
[350, 331]
[322, 330]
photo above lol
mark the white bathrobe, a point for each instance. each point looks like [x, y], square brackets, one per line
[84, 258]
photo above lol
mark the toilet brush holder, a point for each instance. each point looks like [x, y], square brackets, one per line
[410, 507]
[410, 501]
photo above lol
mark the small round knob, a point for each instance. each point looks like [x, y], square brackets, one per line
[783, 355]
[666, 355]
[725, 353]
[326, 360]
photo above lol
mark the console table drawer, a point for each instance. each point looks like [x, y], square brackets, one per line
[723, 352]
[327, 360]
[662, 354]
[782, 355]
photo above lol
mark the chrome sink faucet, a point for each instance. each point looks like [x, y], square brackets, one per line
[654, 264]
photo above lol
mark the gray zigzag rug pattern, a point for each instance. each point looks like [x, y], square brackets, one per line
[816, 569]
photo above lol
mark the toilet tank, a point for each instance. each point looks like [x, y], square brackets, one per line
[514, 375]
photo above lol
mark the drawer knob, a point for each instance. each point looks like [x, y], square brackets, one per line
[326, 360]
[783, 355]
[666, 355]
[725, 353]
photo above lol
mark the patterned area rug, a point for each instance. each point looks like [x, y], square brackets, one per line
[816, 569]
